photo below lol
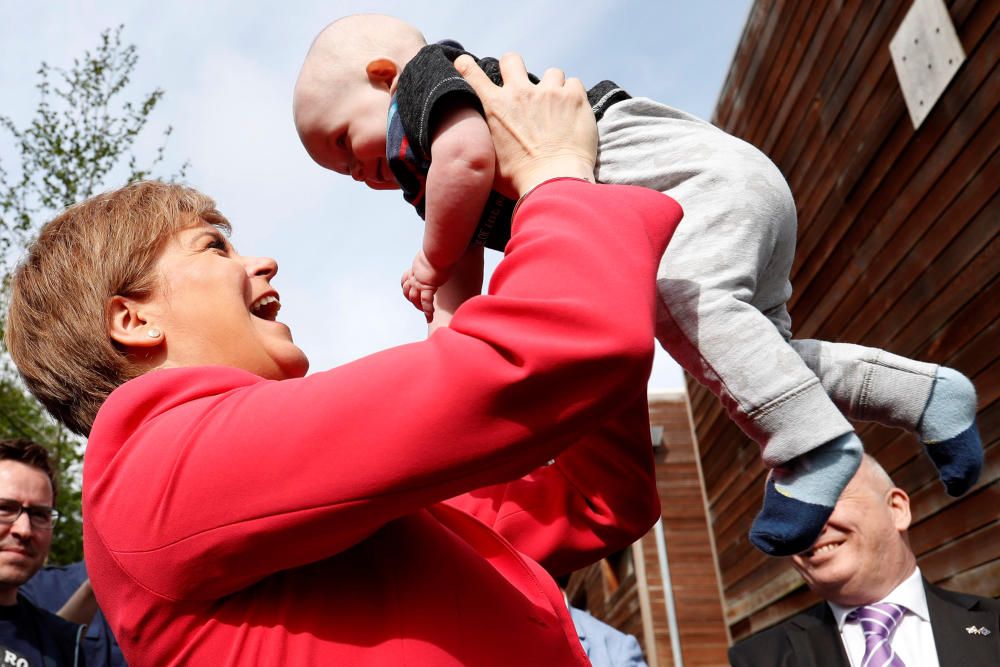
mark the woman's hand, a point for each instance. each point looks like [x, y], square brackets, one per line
[539, 131]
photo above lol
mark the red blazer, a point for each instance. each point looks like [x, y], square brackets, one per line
[232, 520]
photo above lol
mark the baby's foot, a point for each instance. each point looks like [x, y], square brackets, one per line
[799, 496]
[949, 432]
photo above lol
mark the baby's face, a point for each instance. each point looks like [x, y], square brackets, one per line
[345, 132]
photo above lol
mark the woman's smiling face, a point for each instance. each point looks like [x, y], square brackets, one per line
[214, 306]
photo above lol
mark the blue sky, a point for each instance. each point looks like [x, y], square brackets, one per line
[228, 69]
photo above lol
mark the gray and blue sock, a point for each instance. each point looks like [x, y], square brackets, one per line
[799, 496]
[949, 432]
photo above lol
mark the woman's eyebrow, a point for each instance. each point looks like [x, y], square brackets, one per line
[213, 232]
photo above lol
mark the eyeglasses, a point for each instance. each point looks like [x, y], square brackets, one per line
[40, 516]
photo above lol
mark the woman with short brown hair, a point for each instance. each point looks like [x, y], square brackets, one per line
[403, 509]
[104, 246]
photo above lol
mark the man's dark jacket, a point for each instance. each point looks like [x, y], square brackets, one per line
[966, 634]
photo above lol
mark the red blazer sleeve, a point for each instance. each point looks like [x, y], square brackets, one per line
[597, 497]
[202, 481]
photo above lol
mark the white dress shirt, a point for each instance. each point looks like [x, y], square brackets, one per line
[913, 639]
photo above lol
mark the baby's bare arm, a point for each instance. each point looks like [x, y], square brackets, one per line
[466, 281]
[458, 185]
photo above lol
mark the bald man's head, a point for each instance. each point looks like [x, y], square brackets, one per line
[863, 551]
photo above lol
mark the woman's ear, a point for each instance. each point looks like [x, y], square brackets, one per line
[128, 327]
[382, 72]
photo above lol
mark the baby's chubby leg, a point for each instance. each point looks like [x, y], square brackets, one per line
[725, 270]
[466, 281]
[936, 403]
[807, 443]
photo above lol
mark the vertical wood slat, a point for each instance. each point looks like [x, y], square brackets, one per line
[694, 584]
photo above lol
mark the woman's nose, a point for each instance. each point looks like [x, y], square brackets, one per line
[265, 267]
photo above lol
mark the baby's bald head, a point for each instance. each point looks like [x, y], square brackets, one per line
[349, 56]
[371, 34]
[344, 91]
[339, 56]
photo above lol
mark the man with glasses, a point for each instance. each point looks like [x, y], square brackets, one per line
[29, 636]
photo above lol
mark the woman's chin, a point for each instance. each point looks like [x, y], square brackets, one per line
[299, 369]
[291, 363]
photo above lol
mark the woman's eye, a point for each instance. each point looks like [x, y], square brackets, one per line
[217, 244]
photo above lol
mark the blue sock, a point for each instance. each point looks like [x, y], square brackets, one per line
[949, 432]
[799, 496]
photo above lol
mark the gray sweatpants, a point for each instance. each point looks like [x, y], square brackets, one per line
[723, 287]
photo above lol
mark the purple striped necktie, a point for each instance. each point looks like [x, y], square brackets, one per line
[877, 623]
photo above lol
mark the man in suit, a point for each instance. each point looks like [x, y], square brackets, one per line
[878, 608]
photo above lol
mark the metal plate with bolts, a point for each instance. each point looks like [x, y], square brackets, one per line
[926, 54]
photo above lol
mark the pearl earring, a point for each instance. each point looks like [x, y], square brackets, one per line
[153, 333]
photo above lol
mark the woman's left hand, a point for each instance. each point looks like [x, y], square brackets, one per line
[539, 131]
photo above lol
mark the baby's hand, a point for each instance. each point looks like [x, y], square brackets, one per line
[421, 282]
[420, 295]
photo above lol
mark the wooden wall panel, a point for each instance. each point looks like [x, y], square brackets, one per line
[694, 582]
[695, 586]
[898, 248]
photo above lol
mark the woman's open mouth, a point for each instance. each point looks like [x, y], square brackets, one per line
[266, 307]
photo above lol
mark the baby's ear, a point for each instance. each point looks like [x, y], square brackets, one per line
[382, 72]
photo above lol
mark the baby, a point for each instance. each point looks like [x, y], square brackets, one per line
[374, 101]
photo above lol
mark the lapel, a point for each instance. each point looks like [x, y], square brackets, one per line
[951, 613]
[815, 640]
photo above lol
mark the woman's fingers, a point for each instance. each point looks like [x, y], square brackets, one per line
[553, 77]
[474, 76]
[512, 70]
[539, 131]
[575, 86]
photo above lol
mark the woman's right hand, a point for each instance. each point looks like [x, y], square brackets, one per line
[539, 131]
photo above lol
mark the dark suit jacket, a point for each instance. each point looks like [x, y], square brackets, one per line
[811, 639]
